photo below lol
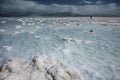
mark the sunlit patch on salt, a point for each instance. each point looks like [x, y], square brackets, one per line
[3, 22]
[54, 22]
[20, 20]
[37, 37]
[87, 42]
[23, 23]
[2, 30]
[50, 26]
[40, 21]
[68, 24]
[16, 32]
[9, 48]
[31, 32]
[42, 24]
[18, 27]
[66, 51]
[37, 27]
[30, 24]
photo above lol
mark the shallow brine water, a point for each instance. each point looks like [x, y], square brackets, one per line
[89, 47]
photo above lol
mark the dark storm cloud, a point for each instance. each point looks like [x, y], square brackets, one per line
[39, 7]
[75, 2]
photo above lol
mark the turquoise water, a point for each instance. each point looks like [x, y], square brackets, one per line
[95, 55]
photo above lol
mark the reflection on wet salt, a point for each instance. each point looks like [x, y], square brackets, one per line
[9, 48]
[2, 30]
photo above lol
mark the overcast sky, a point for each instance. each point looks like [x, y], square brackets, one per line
[40, 7]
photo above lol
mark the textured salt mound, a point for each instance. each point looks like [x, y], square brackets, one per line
[40, 68]
[72, 40]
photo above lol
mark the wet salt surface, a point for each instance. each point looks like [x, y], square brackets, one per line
[95, 55]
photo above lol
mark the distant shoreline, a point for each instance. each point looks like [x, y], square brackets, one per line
[60, 17]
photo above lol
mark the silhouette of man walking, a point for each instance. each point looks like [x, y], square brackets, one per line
[91, 17]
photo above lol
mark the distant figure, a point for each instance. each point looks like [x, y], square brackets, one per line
[91, 17]
[91, 30]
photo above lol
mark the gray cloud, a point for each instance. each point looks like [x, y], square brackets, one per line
[99, 2]
[30, 6]
[87, 2]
